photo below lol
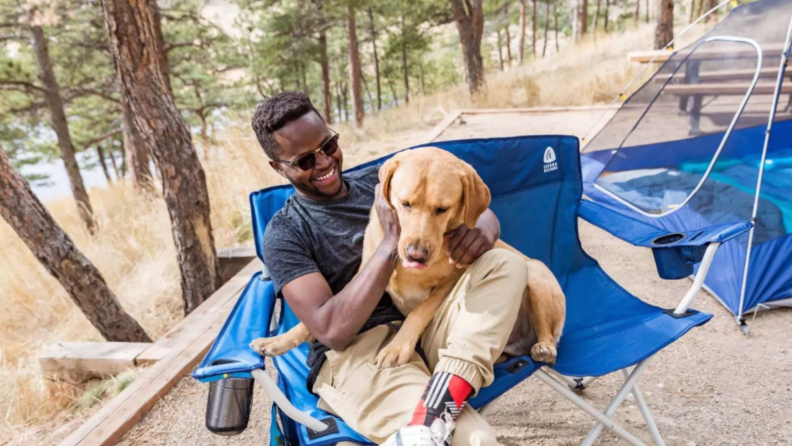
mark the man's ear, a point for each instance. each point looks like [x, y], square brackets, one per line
[385, 175]
[276, 166]
[476, 196]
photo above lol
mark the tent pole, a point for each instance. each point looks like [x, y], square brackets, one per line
[770, 119]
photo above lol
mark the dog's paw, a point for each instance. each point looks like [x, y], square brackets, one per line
[394, 355]
[544, 352]
[274, 346]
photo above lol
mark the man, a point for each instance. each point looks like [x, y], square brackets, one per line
[313, 249]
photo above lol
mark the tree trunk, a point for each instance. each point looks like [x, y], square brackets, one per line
[345, 93]
[393, 93]
[596, 16]
[111, 155]
[368, 92]
[136, 147]
[327, 96]
[533, 28]
[691, 10]
[100, 156]
[162, 55]
[123, 162]
[60, 124]
[555, 25]
[546, 28]
[648, 8]
[469, 17]
[376, 58]
[664, 32]
[56, 252]
[607, 14]
[135, 51]
[500, 52]
[521, 49]
[338, 102]
[508, 35]
[421, 71]
[714, 16]
[405, 68]
[700, 10]
[582, 18]
[637, 13]
[354, 66]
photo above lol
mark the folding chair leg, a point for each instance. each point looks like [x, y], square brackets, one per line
[645, 412]
[628, 385]
[602, 420]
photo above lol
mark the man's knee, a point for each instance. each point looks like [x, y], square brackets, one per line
[504, 262]
[475, 432]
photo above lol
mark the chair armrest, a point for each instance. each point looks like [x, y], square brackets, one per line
[230, 354]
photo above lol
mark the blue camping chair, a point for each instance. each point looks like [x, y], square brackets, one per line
[536, 192]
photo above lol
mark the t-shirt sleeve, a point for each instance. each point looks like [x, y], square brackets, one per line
[285, 253]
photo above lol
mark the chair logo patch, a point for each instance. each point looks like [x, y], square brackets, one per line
[550, 163]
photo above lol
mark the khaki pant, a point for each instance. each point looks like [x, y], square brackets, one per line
[466, 337]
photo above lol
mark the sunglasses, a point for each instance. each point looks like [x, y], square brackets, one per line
[307, 161]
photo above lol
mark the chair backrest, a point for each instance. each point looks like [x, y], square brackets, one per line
[535, 184]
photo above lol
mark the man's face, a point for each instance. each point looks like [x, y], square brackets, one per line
[305, 135]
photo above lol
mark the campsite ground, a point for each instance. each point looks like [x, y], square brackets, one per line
[712, 387]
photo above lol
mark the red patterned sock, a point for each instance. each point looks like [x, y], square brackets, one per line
[445, 392]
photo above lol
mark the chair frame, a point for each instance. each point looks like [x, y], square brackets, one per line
[566, 386]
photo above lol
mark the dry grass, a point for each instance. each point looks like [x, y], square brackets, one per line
[134, 248]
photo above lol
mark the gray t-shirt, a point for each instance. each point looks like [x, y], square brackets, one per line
[309, 236]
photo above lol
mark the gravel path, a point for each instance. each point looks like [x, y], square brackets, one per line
[712, 387]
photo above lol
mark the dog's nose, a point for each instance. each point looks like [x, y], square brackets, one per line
[417, 253]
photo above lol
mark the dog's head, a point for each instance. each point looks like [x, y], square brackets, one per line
[433, 192]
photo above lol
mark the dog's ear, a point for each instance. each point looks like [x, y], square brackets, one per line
[385, 176]
[476, 196]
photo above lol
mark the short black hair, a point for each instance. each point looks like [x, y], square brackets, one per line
[276, 112]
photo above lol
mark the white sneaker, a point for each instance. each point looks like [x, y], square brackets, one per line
[437, 435]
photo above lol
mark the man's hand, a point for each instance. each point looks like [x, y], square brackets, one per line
[466, 245]
[387, 217]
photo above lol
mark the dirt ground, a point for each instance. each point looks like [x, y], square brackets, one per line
[713, 387]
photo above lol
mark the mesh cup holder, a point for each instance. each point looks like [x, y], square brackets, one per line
[668, 239]
[228, 408]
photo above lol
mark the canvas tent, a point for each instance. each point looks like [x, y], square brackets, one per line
[708, 141]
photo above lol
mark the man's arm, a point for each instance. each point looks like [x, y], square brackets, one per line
[336, 320]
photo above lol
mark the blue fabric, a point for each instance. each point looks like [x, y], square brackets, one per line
[725, 198]
[537, 203]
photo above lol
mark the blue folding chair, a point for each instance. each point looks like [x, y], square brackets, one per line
[535, 183]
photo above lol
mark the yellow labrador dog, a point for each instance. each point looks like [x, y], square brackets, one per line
[434, 192]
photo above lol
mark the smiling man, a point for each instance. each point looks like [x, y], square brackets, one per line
[313, 249]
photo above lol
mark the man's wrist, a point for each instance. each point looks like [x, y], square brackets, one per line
[387, 248]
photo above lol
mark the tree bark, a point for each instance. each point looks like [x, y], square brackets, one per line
[469, 17]
[533, 28]
[700, 8]
[159, 39]
[508, 44]
[607, 14]
[59, 122]
[100, 156]
[500, 51]
[421, 71]
[56, 252]
[637, 13]
[138, 64]
[137, 150]
[345, 95]
[354, 66]
[582, 18]
[368, 92]
[123, 162]
[405, 68]
[664, 31]
[338, 102]
[546, 28]
[324, 61]
[111, 156]
[648, 8]
[521, 50]
[393, 93]
[376, 57]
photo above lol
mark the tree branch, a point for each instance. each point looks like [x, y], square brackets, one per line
[101, 138]
[23, 86]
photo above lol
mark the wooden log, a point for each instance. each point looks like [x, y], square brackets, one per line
[187, 342]
[76, 362]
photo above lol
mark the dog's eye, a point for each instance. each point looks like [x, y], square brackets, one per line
[405, 205]
[441, 210]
